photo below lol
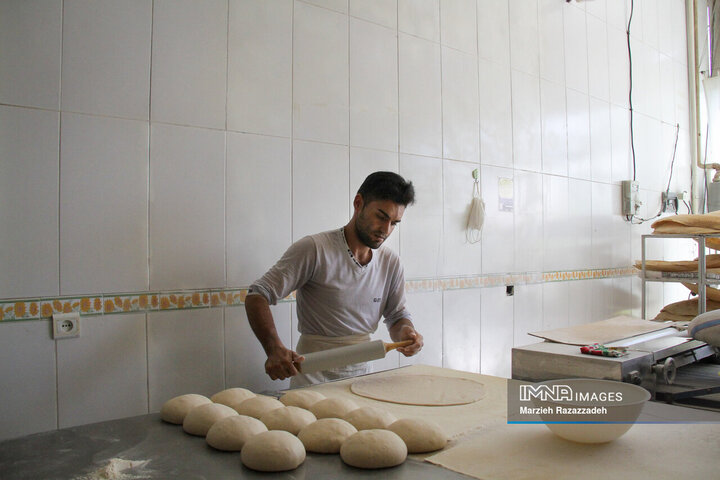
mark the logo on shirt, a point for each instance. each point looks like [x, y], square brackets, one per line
[377, 299]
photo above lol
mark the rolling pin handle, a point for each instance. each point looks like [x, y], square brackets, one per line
[393, 346]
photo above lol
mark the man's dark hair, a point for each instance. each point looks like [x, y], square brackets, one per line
[387, 186]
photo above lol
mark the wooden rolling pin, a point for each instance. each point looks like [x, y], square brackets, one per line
[341, 356]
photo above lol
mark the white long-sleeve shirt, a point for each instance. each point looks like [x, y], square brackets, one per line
[336, 296]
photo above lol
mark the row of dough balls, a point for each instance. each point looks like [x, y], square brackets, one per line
[273, 435]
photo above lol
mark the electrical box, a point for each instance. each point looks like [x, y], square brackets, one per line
[670, 202]
[630, 197]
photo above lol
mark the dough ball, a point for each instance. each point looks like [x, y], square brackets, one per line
[290, 419]
[333, 408]
[175, 409]
[301, 398]
[326, 435]
[231, 396]
[366, 418]
[199, 420]
[273, 451]
[231, 433]
[373, 449]
[420, 435]
[257, 406]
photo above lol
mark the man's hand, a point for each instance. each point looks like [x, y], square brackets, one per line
[404, 330]
[282, 363]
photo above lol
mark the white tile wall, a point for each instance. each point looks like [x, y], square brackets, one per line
[317, 167]
[527, 121]
[103, 205]
[189, 62]
[258, 219]
[460, 113]
[106, 57]
[103, 374]
[29, 144]
[618, 66]
[420, 128]
[529, 212]
[554, 128]
[30, 71]
[576, 52]
[259, 92]
[336, 5]
[555, 305]
[461, 327]
[496, 118]
[597, 55]
[578, 135]
[494, 30]
[458, 25]
[580, 223]
[320, 74]
[551, 41]
[498, 231]
[187, 200]
[524, 49]
[496, 336]
[600, 148]
[382, 12]
[185, 354]
[557, 228]
[580, 302]
[423, 220]
[244, 355]
[427, 310]
[420, 18]
[28, 399]
[527, 313]
[460, 256]
[373, 86]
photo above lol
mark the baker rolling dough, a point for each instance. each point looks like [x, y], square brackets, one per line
[345, 284]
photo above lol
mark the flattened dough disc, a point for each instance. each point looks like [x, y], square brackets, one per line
[427, 390]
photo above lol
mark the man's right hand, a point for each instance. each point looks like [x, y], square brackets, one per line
[282, 363]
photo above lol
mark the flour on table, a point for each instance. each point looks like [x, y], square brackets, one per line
[118, 469]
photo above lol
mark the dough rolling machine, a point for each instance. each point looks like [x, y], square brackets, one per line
[665, 362]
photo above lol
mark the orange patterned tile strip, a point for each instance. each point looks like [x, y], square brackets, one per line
[34, 309]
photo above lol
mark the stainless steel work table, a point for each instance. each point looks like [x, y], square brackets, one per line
[78, 451]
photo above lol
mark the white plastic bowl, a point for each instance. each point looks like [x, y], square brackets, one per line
[620, 417]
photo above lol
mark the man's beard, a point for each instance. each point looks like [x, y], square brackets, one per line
[366, 237]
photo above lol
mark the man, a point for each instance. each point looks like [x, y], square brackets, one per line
[344, 284]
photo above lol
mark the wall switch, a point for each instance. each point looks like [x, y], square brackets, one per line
[630, 197]
[66, 325]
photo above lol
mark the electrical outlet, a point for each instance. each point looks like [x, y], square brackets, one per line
[670, 202]
[66, 325]
[630, 197]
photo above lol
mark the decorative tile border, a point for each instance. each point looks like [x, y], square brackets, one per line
[40, 308]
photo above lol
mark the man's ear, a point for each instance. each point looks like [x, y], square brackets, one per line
[358, 202]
